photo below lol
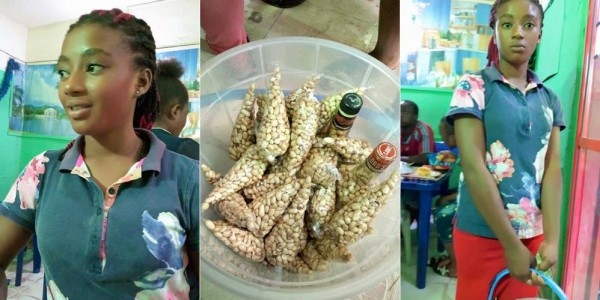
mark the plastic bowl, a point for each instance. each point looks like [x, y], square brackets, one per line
[224, 81]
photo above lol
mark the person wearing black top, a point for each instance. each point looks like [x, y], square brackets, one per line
[173, 110]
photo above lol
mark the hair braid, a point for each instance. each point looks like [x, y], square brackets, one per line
[493, 54]
[141, 41]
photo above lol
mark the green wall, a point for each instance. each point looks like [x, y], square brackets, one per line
[560, 65]
[17, 150]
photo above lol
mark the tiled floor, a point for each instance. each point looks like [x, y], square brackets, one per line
[353, 23]
[438, 287]
[32, 284]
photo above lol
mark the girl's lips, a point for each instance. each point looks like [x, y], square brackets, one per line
[78, 112]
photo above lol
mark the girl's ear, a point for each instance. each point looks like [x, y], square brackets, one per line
[174, 111]
[143, 83]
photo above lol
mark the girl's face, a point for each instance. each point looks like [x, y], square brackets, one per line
[518, 30]
[98, 80]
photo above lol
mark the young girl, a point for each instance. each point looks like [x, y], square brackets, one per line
[507, 126]
[173, 109]
[115, 214]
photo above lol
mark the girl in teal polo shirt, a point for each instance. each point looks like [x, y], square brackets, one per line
[115, 214]
[507, 125]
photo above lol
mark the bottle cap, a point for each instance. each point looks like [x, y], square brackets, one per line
[381, 157]
[350, 104]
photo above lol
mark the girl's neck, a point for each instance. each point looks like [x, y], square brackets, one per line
[124, 144]
[515, 74]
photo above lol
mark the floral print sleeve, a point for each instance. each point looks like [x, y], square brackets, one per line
[22, 198]
[468, 97]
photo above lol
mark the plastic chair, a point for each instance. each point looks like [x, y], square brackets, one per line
[405, 228]
[37, 262]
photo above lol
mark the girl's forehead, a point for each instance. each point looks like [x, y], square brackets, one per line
[518, 8]
[95, 36]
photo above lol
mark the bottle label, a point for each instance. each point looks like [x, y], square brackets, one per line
[381, 157]
[343, 122]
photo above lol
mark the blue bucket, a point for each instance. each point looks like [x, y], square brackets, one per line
[549, 282]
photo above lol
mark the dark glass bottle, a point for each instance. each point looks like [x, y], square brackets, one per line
[343, 120]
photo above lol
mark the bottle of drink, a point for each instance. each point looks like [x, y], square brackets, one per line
[343, 120]
[360, 179]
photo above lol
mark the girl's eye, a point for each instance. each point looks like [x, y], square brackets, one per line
[529, 25]
[94, 68]
[62, 73]
[506, 25]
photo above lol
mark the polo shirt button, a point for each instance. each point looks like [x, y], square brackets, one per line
[111, 191]
[98, 211]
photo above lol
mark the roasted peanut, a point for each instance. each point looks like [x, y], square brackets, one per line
[350, 150]
[242, 135]
[303, 92]
[321, 165]
[211, 175]
[246, 171]
[241, 241]
[235, 210]
[269, 208]
[304, 129]
[351, 222]
[273, 134]
[288, 236]
[320, 209]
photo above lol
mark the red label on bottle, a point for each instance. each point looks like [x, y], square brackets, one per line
[382, 156]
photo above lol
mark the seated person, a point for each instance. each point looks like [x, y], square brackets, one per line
[173, 110]
[416, 136]
[445, 209]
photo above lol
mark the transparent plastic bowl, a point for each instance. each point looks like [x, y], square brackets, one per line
[224, 80]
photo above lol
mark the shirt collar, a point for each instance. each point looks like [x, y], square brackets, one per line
[151, 162]
[494, 74]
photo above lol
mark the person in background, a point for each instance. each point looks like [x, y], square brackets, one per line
[507, 125]
[173, 109]
[387, 49]
[115, 214]
[445, 210]
[223, 24]
[416, 136]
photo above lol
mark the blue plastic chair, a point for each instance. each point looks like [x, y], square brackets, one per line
[37, 261]
[549, 282]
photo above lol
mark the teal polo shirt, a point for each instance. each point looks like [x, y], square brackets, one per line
[517, 131]
[129, 244]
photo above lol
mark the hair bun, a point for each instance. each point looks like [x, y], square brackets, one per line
[169, 68]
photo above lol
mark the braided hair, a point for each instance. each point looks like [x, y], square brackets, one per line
[493, 55]
[170, 88]
[141, 41]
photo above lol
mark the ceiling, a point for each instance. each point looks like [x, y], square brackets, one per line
[34, 13]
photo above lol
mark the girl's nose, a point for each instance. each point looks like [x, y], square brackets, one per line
[74, 84]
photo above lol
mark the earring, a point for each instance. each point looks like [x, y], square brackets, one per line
[137, 92]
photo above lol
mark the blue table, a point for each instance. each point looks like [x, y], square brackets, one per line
[427, 190]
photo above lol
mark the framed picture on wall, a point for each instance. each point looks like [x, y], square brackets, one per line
[39, 111]
[11, 86]
[441, 40]
[188, 56]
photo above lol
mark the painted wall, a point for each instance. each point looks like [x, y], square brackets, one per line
[174, 23]
[13, 42]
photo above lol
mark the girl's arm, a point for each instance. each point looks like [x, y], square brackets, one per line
[12, 239]
[470, 137]
[551, 199]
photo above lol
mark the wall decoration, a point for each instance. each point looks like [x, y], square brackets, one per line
[39, 111]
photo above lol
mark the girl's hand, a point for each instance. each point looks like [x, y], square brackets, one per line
[547, 256]
[519, 260]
